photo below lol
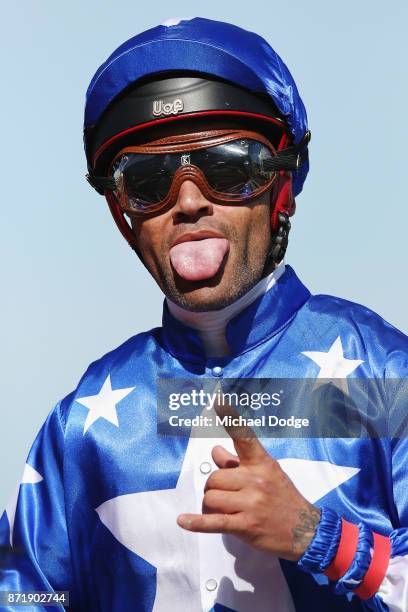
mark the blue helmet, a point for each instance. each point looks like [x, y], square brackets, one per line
[200, 47]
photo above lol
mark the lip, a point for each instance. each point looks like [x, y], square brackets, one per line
[198, 235]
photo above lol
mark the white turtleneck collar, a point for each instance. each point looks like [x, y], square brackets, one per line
[211, 324]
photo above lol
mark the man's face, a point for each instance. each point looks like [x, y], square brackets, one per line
[246, 229]
[212, 272]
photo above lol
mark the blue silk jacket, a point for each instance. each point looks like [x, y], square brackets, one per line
[95, 512]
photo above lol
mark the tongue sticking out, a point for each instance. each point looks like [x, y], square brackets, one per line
[199, 259]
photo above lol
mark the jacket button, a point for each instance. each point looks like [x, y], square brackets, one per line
[205, 467]
[211, 584]
[217, 371]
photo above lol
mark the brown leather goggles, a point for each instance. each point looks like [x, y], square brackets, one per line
[227, 165]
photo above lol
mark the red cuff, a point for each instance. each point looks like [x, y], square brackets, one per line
[345, 552]
[377, 568]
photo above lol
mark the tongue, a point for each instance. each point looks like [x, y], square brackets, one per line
[199, 259]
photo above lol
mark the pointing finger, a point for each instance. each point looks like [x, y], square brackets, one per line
[250, 450]
[247, 445]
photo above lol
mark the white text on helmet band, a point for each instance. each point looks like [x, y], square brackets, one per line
[167, 108]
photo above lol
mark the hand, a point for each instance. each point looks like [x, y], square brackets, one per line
[251, 497]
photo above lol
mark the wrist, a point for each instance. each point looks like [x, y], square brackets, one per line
[323, 546]
[304, 531]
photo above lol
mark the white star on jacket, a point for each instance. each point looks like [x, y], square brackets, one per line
[197, 570]
[103, 405]
[333, 365]
[30, 476]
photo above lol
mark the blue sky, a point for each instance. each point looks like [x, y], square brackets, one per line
[73, 289]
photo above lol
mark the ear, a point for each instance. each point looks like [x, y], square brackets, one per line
[282, 199]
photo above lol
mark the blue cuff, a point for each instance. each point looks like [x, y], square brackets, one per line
[357, 570]
[399, 542]
[322, 549]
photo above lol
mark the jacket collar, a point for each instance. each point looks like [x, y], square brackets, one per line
[264, 317]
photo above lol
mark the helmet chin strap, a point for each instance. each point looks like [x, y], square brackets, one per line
[283, 206]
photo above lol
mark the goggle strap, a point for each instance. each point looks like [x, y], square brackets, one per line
[290, 158]
[100, 183]
[287, 159]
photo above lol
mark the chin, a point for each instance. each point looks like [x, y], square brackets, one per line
[213, 293]
[205, 295]
[208, 294]
[205, 303]
[202, 297]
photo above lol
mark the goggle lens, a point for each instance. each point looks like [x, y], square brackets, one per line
[237, 169]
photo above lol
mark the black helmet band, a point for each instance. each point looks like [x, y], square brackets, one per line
[154, 104]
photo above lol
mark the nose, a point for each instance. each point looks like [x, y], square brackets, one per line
[191, 202]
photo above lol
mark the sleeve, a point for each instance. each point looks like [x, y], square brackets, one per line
[34, 546]
[358, 560]
[361, 562]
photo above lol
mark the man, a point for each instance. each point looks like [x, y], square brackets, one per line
[196, 135]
